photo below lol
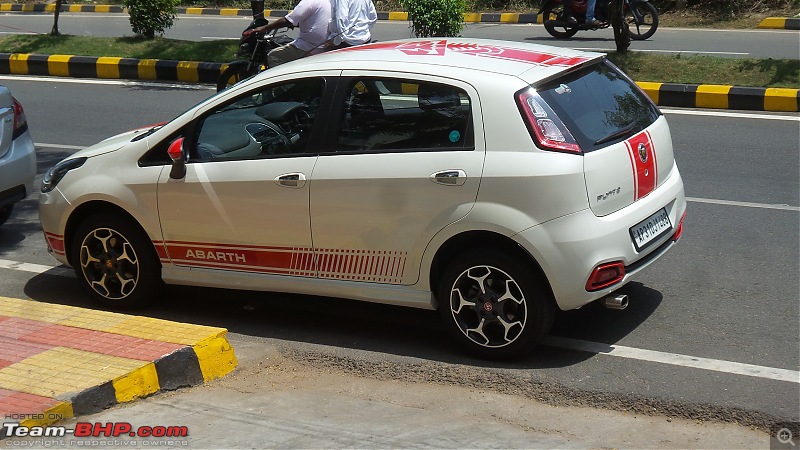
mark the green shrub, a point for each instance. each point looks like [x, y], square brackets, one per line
[440, 18]
[151, 17]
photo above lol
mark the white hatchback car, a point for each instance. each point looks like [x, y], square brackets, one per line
[17, 155]
[496, 181]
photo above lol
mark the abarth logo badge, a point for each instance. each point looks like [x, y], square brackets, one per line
[643, 153]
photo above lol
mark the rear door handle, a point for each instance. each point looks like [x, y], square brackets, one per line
[454, 177]
[291, 180]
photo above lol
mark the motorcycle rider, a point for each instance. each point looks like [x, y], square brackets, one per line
[351, 24]
[590, 20]
[572, 21]
[313, 17]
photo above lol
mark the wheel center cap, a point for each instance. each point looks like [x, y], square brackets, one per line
[109, 264]
[488, 307]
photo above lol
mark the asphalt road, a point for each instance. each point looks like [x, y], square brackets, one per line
[726, 298]
[760, 44]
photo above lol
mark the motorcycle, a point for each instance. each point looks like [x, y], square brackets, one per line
[640, 15]
[254, 46]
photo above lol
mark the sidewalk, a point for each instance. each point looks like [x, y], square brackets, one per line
[59, 361]
[280, 397]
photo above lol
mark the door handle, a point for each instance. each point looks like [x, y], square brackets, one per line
[291, 180]
[455, 177]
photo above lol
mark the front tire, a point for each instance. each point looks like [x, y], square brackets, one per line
[646, 27]
[232, 74]
[554, 11]
[115, 262]
[495, 305]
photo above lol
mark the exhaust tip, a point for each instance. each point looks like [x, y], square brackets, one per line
[619, 301]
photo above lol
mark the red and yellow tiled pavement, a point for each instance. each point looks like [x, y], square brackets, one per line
[60, 361]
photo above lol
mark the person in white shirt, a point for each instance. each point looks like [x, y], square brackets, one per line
[313, 17]
[352, 23]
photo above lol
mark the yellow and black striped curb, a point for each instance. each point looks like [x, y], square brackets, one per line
[664, 94]
[398, 15]
[785, 23]
[500, 17]
[722, 97]
[110, 67]
[63, 361]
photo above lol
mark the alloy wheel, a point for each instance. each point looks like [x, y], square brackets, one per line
[109, 263]
[488, 306]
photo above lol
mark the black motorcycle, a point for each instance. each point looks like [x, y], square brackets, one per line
[640, 15]
[254, 46]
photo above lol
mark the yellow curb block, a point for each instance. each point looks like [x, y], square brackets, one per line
[85, 380]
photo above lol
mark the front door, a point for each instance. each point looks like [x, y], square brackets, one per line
[244, 202]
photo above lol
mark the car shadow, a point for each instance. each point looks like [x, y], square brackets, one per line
[351, 324]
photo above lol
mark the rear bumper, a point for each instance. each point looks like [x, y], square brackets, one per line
[17, 170]
[569, 248]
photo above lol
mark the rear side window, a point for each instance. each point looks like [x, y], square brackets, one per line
[383, 114]
[599, 105]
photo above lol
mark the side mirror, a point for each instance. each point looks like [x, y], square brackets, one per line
[175, 152]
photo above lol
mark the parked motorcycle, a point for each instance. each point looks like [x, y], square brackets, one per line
[640, 15]
[253, 46]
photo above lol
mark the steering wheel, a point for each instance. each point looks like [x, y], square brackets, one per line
[272, 138]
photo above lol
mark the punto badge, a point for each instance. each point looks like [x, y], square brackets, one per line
[643, 153]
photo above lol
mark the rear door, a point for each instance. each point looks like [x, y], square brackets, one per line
[625, 139]
[406, 160]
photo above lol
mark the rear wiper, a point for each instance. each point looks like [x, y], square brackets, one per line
[617, 134]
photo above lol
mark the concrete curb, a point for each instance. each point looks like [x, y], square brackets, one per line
[58, 362]
[664, 94]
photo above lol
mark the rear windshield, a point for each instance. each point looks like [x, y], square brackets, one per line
[599, 105]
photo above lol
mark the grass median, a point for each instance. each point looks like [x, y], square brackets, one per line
[641, 66]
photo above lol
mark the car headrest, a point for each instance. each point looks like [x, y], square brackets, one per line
[437, 96]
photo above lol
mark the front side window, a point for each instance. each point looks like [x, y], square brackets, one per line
[396, 115]
[599, 105]
[273, 121]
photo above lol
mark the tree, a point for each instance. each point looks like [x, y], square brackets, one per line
[151, 17]
[435, 18]
[54, 30]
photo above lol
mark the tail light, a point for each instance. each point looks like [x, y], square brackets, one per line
[605, 275]
[20, 122]
[547, 130]
[679, 229]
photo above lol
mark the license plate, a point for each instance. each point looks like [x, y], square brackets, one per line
[650, 229]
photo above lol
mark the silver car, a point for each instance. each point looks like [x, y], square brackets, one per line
[17, 154]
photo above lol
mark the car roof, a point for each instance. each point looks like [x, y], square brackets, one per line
[439, 56]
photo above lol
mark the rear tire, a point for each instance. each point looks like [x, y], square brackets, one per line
[115, 262]
[644, 29]
[554, 11]
[494, 304]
